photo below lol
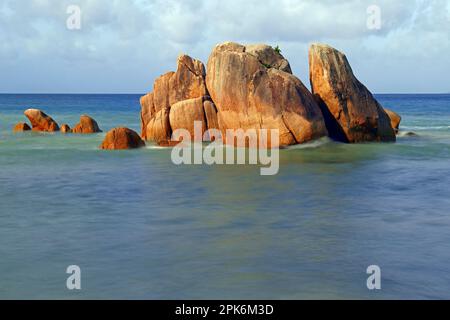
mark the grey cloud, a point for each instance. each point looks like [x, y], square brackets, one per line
[141, 38]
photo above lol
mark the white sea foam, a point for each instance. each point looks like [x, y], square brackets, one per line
[311, 145]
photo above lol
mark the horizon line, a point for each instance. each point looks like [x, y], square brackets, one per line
[144, 93]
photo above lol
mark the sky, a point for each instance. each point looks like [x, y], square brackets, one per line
[123, 45]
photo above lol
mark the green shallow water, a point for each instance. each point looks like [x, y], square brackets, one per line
[140, 227]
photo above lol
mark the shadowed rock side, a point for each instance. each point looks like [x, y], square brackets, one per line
[188, 82]
[87, 125]
[22, 126]
[351, 112]
[65, 128]
[41, 121]
[395, 119]
[252, 88]
[122, 139]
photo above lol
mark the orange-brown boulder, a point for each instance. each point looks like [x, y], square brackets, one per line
[41, 121]
[187, 82]
[122, 139]
[65, 129]
[395, 119]
[22, 126]
[87, 125]
[252, 88]
[351, 112]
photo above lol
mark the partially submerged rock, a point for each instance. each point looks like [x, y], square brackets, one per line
[87, 125]
[252, 88]
[122, 139]
[351, 112]
[395, 119]
[409, 134]
[21, 126]
[41, 121]
[65, 128]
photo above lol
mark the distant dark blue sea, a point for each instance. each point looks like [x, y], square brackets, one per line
[141, 227]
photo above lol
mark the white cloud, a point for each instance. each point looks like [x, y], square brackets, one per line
[123, 45]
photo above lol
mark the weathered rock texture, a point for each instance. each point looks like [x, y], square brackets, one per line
[252, 88]
[121, 139]
[87, 125]
[22, 126]
[395, 119]
[40, 121]
[351, 112]
[188, 82]
[269, 57]
[158, 129]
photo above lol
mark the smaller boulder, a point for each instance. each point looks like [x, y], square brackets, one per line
[21, 126]
[87, 125]
[65, 129]
[122, 139]
[40, 121]
[395, 119]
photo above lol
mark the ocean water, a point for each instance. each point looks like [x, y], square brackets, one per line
[140, 227]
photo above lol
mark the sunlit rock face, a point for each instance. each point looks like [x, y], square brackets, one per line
[41, 121]
[351, 112]
[188, 82]
[252, 88]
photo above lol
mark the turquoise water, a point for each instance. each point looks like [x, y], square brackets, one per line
[140, 227]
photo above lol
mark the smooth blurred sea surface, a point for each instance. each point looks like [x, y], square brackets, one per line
[142, 228]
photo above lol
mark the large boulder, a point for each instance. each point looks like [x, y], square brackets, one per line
[252, 88]
[22, 126]
[395, 119]
[351, 112]
[41, 121]
[87, 125]
[186, 83]
[121, 139]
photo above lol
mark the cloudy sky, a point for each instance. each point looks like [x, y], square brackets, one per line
[123, 45]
